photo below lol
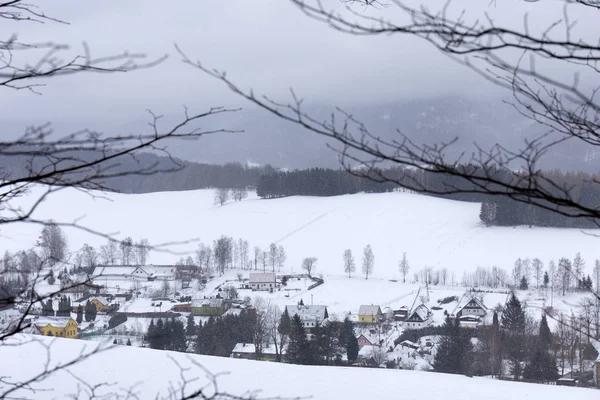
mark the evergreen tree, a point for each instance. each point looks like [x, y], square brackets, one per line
[297, 350]
[90, 311]
[190, 328]
[513, 316]
[285, 323]
[152, 336]
[454, 351]
[546, 279]
[545, 335]
[524, 285]
[352, 348]
[513, 321]
[128, 342]
[79, 314]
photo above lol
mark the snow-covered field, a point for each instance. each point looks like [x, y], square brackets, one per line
[433, 232]
[154, 374]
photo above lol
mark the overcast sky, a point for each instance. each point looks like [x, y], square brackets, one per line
[268, 45]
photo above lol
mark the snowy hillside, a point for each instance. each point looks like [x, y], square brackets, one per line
[151, 373]
[433, 232]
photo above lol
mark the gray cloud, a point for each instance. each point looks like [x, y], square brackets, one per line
[268, 45]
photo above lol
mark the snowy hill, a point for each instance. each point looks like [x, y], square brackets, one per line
[433, 232]
[153, 374]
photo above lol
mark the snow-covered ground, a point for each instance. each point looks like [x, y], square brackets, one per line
[433, 232]
[154, 374]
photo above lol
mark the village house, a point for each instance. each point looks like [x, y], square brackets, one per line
[103, 304]
[57, 326]
[131, 272]
[369, 314]
[471, 307]
[400, 314]
[248, 351]
[208, 307]
[182, 307]
[363, 341]
[309, 315]
[263, 281]
[420, 317]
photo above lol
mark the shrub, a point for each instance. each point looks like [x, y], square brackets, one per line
[447, 300]
[117, 320]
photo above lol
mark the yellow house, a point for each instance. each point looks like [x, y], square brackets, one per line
[369, 314]
[57, 326]
[101, 303]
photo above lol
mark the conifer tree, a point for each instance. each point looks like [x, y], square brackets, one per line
[79, 314]
[190, 328]
[297, 351]
[128, 342]
[454, 350]
[524, 285]
[513, 321]
[352, 348]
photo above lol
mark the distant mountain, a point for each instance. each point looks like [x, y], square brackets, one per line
[270, 140]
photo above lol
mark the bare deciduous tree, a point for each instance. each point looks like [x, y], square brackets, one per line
[221, 196]
[53, 242]
[404, 267]
[109, 252]
[309, 264]
[281, 257]
[368, 261]
[239, 194]
[349, 266]
[142, 249]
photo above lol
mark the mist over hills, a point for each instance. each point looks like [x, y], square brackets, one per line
[269, 140]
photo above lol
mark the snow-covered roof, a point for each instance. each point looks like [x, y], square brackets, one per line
[262, 277]
[57, 322]
[159, 270]
[421, 313]
[207, 302]
[367, 350]
[369, 310]
[308, 313]
[469, 302]
[114, 270]
[249, 348]
[408, 343]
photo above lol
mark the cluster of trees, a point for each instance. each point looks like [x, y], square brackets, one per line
[125, 252]
[564, 276]
[316, 182]
[325, 346]
[228, 253]
[64, 306]
[368, 262]
[264, 325]
[218, 336]
[533, 352]
[504, 211]
[223, 195]
[167, 335]
[525, 345]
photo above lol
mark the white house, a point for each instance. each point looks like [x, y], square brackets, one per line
[420, 317]
[130, 272]
[309, 315]
[263, 281]
[470, 307]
